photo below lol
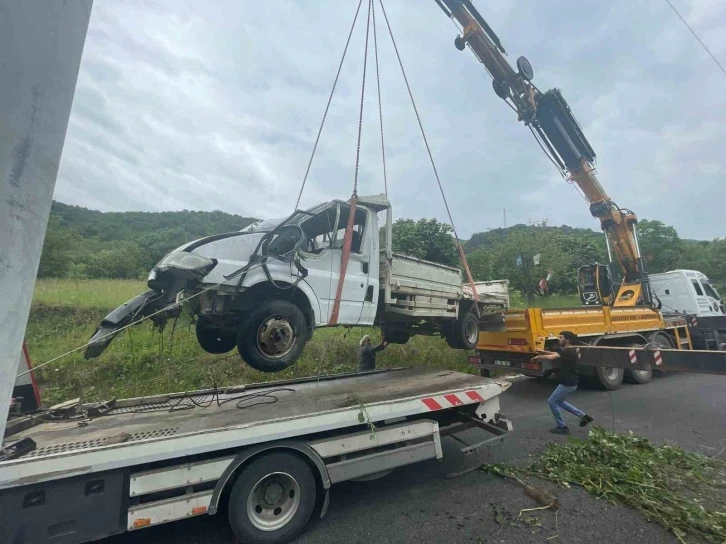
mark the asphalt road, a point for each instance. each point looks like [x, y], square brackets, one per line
[418, 504]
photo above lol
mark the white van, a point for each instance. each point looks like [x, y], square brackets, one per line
[688, 292]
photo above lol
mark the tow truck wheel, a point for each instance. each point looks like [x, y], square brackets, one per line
[213, 340]
[273, 336]
[272, 499]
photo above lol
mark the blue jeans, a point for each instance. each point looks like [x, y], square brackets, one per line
[557, 401]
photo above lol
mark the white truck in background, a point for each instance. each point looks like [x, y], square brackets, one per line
[266, 288]
[691, 293]
[687, 292]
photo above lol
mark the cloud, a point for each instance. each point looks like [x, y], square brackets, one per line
[181, 105]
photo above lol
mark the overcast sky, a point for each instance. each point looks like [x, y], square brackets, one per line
[215, 105]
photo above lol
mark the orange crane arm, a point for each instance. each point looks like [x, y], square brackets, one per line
[554, 126]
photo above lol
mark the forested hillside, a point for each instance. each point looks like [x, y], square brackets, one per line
[82, 243]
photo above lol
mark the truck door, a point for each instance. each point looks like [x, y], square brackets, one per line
[355, 283]
[320, 259]
[369, 264]
[702, 304]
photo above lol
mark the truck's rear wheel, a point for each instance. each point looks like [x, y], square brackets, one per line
[396, 337]
[638, 376]
[658, 340]
[609, 378]
[463, 333]
[213, 340]
[272, 499]
[273, 336]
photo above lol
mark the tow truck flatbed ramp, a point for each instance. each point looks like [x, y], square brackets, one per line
[151, 429]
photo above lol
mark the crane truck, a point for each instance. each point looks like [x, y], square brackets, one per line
[626, 313]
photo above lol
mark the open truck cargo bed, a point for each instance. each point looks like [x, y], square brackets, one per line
[157, 459]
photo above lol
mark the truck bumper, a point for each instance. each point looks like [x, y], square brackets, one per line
[514, 362]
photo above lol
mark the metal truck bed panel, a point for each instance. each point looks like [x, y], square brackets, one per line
[421, 276]
[276, 411]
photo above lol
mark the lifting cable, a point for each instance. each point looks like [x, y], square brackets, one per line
[431, 158]
[327, 107]
[348, 237]
[380, 103]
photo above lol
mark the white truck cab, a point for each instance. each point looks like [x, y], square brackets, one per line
[687, 292]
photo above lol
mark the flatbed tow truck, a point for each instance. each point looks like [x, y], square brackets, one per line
[264, 453]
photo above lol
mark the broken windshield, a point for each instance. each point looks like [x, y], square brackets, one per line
[266, 225]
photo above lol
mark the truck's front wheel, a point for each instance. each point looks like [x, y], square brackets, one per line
[273, 336]
[272, 499]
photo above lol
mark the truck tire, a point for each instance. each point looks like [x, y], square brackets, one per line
[609, 378]
[464, 332]
[273, 336]
[272, 499]
[213, 340]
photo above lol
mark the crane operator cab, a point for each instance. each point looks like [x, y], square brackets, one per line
[595, 285]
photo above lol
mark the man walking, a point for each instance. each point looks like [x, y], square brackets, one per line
[568, 381]
[367, 353]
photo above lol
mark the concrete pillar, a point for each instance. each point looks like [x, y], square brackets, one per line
[40, 53]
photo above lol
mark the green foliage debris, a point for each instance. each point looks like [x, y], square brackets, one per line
[683, 491]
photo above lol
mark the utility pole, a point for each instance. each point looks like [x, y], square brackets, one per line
[40, 54]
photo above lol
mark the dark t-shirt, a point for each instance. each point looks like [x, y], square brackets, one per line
[567, 371]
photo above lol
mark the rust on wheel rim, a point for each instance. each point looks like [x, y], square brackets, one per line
[275, 337]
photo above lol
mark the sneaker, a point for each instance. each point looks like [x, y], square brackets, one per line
[560, 430]
[584, 420]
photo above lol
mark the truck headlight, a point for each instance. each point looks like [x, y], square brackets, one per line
[185, 261]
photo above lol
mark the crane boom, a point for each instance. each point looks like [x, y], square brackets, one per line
[554, 126]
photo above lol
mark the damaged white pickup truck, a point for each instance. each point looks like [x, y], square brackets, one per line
[265, 289]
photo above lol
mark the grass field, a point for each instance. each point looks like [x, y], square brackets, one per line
[145, 361]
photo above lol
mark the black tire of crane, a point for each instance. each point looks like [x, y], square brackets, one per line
[609, 379]
[606, 378]
[213, 340]
[253, 474]
[637, 377]
[660, 340]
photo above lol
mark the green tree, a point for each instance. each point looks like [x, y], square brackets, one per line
[58, 247]
[480, 264]
[124, 261]
[514, 257]
[425, 239]
[660, 246]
